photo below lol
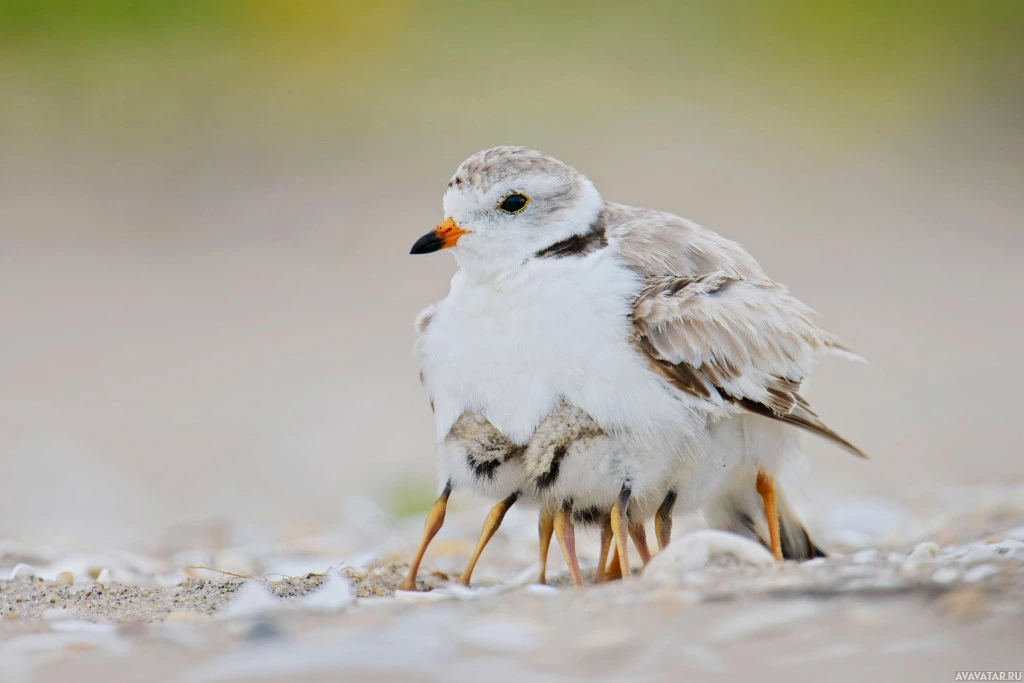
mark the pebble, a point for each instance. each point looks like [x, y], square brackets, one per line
[104, 577]
[65, 578]
[696, 549]
[22, 571]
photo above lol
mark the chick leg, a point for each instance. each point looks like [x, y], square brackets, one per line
[545, 528]
[602, 559]
[566, 535]
[639, 536]
[614, 572]
[663, 520]
[766, 487]
[491, 524]
[619, 527]
[435, 518]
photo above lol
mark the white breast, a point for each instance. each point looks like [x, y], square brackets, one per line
[511, 349]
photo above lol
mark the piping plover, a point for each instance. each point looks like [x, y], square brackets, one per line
[586, 352]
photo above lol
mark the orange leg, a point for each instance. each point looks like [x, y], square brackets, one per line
[566, 535]
[491, 524]
[663, 520]
[435, 518]
[545, 528]
[639, 536]
[619, 528]
[602, 559]
[766, 487]
[614, 572]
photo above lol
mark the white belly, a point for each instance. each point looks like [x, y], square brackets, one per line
[511, 350]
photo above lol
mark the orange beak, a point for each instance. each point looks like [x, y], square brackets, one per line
[442, 237]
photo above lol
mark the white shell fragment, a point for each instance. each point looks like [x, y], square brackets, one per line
[22, 570]
[334, 594]
[697, 549]
[252, 600]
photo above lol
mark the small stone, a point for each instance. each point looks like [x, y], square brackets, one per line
[22, 570]
[104, 577]
[66, 578]
[697, 549]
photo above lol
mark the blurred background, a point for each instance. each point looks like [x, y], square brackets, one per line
[206, 298]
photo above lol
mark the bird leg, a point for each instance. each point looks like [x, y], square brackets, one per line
[614, 572]
[619, 527]
[639, 536]
[545, 528]
[566, 535]
[766, 487]
[663, 520]
[491, 524]
[602, 558]
[435, 518]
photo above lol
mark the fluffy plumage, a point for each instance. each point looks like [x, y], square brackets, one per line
[603, 343]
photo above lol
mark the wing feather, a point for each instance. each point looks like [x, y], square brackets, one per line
[715, 326]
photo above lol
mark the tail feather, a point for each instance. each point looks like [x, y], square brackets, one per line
[805, 418]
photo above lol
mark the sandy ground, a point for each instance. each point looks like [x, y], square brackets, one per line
[916, 592]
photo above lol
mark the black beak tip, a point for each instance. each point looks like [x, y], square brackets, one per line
[427, 244]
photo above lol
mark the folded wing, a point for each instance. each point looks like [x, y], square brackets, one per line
[729, 340]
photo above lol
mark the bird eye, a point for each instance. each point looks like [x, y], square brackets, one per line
[514, 203]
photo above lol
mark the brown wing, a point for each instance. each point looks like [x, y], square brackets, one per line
[724, 339]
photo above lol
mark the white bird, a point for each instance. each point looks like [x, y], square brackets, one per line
[606, 360]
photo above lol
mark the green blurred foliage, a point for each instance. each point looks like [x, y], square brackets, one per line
[330, 70]
[409, 498]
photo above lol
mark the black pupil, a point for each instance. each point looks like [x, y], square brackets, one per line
[513, 203]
